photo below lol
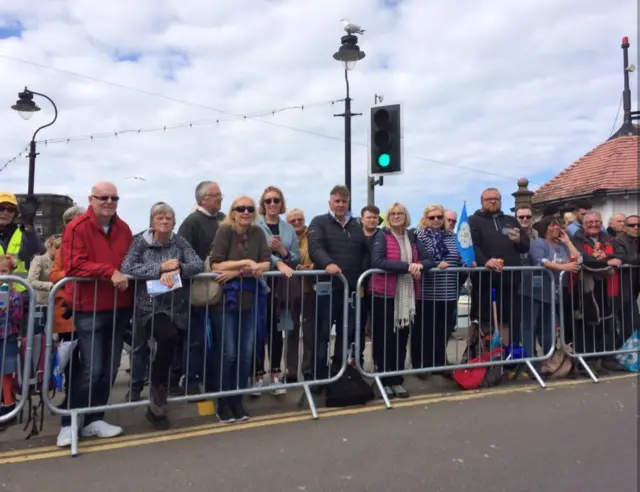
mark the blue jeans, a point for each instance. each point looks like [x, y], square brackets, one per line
[536, 323]
[193, 347]
[235, 333]
[100, 349]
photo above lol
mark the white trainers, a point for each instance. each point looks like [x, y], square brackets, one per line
[64, 437]
[278, 390]
[100, 428]
[258, 384]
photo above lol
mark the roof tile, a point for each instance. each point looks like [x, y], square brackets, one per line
[613, 165]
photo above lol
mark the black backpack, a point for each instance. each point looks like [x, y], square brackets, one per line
[351, 389]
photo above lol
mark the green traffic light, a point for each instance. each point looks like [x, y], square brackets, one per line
[384, 160]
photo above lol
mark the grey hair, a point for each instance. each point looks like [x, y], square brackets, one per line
[71, 213]
[201, 190]
[161, 208]
[593, 213]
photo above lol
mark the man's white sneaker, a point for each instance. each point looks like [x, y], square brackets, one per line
[100, 428]
[258, 384]
[278, 390]
[64, 437]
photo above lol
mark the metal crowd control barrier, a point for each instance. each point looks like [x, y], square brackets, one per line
[326, 301]
[10, 346]
[599, 311]
[512, 300]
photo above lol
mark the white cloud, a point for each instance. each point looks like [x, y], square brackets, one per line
[509, 89]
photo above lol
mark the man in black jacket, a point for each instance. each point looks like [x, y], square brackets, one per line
[627, 247]
[498, 241]
[337, 245]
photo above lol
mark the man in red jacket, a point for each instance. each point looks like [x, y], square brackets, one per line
[93, 247]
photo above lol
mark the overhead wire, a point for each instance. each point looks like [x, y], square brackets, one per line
[615, 120]
[20, 154]
[258, 116]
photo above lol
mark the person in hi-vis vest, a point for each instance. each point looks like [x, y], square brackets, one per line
[20, 242]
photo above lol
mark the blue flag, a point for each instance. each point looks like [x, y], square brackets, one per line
[463, 238]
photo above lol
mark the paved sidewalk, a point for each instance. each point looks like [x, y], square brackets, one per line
[567, 438]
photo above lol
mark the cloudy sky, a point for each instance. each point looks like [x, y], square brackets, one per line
[491, 91]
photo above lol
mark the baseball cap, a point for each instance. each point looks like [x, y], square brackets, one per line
[6, 197]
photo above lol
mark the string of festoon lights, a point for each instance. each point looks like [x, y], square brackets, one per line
[176, 126]
[258, 116]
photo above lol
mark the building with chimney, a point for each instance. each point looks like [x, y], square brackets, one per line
[608, 176]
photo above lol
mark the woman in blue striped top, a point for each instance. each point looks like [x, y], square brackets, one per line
[437, 311]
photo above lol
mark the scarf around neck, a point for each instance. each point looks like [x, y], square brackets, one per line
[436, 238]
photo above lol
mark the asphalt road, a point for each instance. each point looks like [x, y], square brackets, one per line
[569, 438]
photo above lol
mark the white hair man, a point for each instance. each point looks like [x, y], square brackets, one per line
[452, 219]
[199, 229]
[93, 247]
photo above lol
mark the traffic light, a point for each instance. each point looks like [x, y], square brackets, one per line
[385, 141]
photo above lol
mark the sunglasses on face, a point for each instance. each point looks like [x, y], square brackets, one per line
[453, 221]
[436, 217]
[525, 217]
[269, 201]
[11, 210]
[634, 226]
[105, 198]
[245, 208]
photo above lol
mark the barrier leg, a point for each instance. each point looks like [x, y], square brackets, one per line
[588, 370]
[387, 402]
[312, 404]
[74, 434]
[535, 374]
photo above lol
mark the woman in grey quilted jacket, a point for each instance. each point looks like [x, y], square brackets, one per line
[160, 254]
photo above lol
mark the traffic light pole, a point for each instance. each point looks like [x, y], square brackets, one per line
[347, 135]
[372, 182]
[371, 189]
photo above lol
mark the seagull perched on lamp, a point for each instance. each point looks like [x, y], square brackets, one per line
[351, 28]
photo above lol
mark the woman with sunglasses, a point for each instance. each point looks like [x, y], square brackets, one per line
[285, 255]
[436, 312]
[241, 255]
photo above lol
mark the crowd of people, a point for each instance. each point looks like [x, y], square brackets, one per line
[251, 328]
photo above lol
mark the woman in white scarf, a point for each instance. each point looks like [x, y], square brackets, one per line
[394, 295]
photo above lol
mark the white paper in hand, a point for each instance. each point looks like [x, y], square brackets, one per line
[156, 288]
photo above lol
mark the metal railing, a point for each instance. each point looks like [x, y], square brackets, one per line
[598, 313]
[99, 335]
[506, 306]
[16, 346]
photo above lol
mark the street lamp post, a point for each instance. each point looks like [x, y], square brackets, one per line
[25, 106]
[349, 54]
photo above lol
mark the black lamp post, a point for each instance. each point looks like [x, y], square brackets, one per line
[25, 106]
[349, 54]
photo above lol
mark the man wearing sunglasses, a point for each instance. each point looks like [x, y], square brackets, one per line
[21, 242]
[627, 246]
[93, 248]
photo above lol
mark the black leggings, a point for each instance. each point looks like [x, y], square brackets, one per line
[389, 346]
[273, 340]
[435, 321]
[167, 337]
